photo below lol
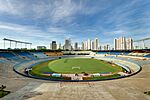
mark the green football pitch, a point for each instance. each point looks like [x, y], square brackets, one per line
[75, 65]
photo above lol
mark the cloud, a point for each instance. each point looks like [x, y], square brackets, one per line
[12, 7]
[63, 9]
[19, 28]
[56, 30]
[54, 12]
[33, 33]
[48, 20]
[119, 32]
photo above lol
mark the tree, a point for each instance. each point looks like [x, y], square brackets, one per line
[2, 88]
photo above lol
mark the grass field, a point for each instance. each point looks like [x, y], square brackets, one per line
[3, 93]
[75, 65]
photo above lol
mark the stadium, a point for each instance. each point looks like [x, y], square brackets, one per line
[79, 68]
[74, 49]
[35, 70]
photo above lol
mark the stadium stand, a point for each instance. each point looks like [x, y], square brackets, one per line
[147, 56]
[39, 54]
[102, 52]
[114, 53]
[53, 53]
[27, 58]
[134, 67]
[3, 60]
[10, 56]
[27, 55]
[138, 54]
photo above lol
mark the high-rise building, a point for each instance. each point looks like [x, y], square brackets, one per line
[82, 46]
[100, 47]
[59, 47]
[76, 46]
[92, 45]
[89, 44]
[129, 44]
[96, 44]
[123, 44]
[85, 45]
[107, 47]
[54, 45]
[67, 45]
[115, 44]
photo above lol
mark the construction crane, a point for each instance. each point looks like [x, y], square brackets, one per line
[142, 40]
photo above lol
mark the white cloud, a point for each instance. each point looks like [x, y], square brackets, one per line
[119, 32]
[56, 30]
[59, 17]
[52, 11]
[55, 11]
[12, 7]
[33, 33]
[10, 26]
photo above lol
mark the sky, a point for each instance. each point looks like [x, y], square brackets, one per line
[43, 21]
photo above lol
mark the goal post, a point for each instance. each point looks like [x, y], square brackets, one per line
[75, 67]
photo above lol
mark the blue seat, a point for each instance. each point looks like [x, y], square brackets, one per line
[147, 56]
[39, 54]
[10, 56]
[27, 55]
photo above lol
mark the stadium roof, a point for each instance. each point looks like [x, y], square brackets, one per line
[16, 41]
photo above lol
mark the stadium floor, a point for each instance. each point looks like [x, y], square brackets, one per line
[130, 88]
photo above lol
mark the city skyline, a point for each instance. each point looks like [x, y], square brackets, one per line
[45, 21]
[121, 43]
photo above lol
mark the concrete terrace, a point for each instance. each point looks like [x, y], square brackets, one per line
[130, 88]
